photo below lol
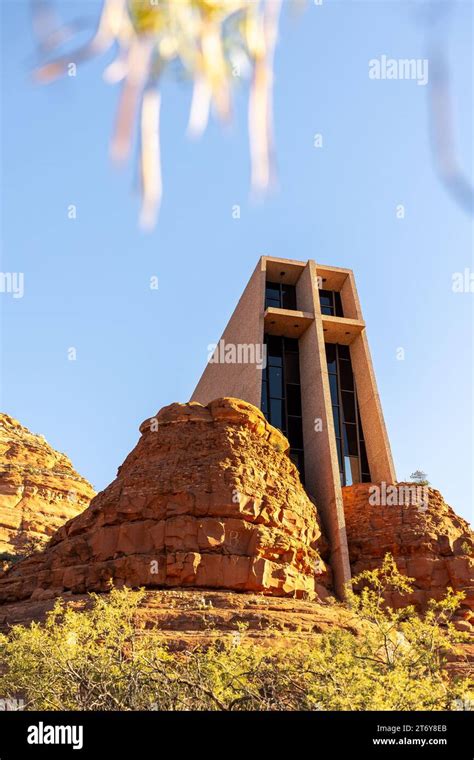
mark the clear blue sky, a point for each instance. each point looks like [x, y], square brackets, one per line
[87, 281]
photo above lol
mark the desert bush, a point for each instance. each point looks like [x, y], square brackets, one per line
[100, 658]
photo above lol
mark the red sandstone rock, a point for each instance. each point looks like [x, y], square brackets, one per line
[208, 498]
[430, 543]
[187, 618]
[39, 488]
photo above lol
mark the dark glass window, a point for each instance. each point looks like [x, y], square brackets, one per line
[343, 352]
[347, 378]
[350, 439]
[280, 295]
[331, 303]
[292, 366]
[275, 378]
[338, 304]
[281, 393]
[293, 400]
[351, 451]
[334, 389]
[274, 349]
[325, 298]
[348, 406]
[327, 302]
[291, 344]
[275, 361]
[364, 464]
[295, 432]
[331, 357]
[264, 398]
[288, 296]
[272, 295]
[277, 413]
[339, 454]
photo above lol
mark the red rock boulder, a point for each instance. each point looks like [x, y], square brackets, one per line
[39, 489]
[429, 542]
[208, 498]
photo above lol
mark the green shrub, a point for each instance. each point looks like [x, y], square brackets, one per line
[100, 659]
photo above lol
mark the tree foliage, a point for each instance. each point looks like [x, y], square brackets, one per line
[420, 478]
[214, 43]
[101, 659]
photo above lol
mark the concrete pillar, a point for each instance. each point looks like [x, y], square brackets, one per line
[321, 462]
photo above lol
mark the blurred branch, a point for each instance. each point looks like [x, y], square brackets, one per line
[213, 41]
[434, 17]
[442, 134]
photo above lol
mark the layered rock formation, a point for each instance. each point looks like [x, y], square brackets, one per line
[207, 504]
[187, 618]
[208, 498]
[429, 542]
[39, 489]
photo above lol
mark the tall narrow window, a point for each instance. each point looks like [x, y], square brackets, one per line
[331, 303]
[281, 393]
[350, 444]
[280, 296]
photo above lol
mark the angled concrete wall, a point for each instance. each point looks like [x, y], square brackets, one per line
[377, 442]
[244, 327]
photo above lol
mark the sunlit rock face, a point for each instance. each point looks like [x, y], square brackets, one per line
[39, 489]
[429, 542]
[208, 498]
[209, 515]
